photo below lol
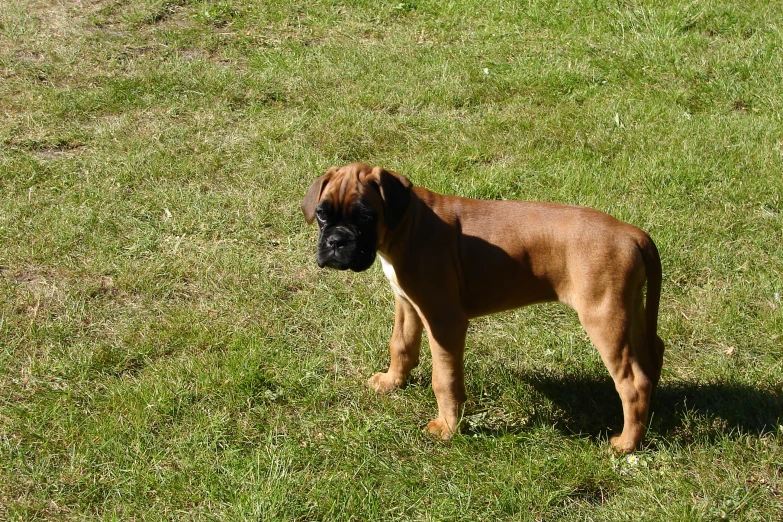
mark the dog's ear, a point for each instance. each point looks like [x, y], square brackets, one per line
[313, 195]
[395, 191]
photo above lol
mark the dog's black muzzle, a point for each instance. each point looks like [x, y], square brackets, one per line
[343, 249]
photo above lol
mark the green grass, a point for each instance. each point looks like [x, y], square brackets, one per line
[169, 349]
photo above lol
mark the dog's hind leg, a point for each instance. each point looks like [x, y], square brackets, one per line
[617, 331]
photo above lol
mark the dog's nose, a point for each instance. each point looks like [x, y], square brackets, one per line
[336, 242]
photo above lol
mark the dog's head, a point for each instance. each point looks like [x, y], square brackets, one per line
[353, 205]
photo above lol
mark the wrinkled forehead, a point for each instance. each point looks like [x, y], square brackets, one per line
[348, 188]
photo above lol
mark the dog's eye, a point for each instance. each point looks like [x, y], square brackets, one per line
[320, 214]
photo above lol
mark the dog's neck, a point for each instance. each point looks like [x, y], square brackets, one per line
[389, 245]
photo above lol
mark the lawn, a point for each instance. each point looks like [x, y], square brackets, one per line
[170, 350]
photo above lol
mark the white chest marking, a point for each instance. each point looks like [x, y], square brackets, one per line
[391, 275]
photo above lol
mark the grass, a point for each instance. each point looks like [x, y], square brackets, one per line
[169, 350]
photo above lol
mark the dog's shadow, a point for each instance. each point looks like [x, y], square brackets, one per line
[588, 405]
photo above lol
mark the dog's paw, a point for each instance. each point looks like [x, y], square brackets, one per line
[383, 382]
[440, 429]
[622, 445]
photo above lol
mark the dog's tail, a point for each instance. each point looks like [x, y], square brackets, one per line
[652, 262]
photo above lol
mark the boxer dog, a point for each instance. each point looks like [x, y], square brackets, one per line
[450, 259]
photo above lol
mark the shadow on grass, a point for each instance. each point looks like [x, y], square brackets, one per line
[681, 410]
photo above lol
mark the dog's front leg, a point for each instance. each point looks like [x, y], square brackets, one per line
[447, 344]
[404, 347]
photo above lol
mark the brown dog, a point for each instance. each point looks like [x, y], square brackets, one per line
[450, 259]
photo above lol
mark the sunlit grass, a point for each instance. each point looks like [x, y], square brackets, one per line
[168, 348]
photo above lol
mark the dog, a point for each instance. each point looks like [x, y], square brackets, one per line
[450, 259]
